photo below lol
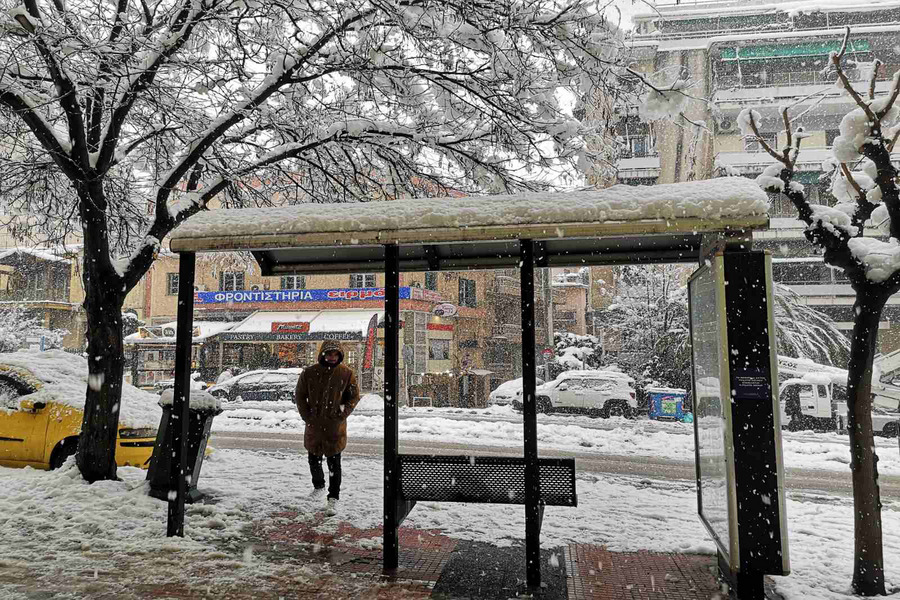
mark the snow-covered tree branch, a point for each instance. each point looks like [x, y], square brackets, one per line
[121, 119]
[864, 182]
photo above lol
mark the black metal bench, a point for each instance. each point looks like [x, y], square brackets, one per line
[484, 479]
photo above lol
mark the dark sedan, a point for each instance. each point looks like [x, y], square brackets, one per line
[254, 386]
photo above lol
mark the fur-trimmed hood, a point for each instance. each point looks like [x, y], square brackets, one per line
[328, 346]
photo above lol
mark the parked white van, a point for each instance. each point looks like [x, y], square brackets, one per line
[597, 393]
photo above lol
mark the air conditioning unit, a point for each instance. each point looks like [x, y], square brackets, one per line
[199, 288]
[254, 288]
[727, 126]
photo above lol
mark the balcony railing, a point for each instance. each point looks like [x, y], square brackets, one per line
[507, 331]
[812, 77]
[507, 286]
[49, 295]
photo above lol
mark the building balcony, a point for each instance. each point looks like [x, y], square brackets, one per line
[639, 167]
[768, 98]
[34, 296]
[508, 331]
[506, 286]
[753, 162]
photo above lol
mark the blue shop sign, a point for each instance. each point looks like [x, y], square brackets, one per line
[338, 294]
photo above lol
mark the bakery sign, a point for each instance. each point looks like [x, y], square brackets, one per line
[290, 327]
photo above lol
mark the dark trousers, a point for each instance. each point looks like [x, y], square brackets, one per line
[334, 474]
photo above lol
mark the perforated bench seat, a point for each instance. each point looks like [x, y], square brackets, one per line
[484, 479]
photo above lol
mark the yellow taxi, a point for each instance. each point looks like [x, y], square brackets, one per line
[42, 398]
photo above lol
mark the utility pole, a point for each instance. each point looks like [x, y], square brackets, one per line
[548, 320]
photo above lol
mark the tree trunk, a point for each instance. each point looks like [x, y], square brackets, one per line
[106, 366]
[868, 560]
[104, 295]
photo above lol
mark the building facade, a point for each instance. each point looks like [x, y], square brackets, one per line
[761, 55]
[460, 331]
[46, 287]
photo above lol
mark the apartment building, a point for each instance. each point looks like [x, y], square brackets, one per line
[763, 55]
[46, 286]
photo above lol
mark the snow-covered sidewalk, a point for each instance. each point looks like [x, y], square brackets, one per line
[640, 437]
[54, 526]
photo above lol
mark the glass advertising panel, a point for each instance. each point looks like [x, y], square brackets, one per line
[709, 418]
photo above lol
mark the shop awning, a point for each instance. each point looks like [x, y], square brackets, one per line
[165, 333]
[307, 326]
[792, 50]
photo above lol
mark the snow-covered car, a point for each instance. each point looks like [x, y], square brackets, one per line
[265, 385]
[508, 391]
[42, 398]
[886, 422]
[169, 384]
[596, 393]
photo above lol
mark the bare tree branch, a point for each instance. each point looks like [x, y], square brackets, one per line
[875, 66]
[836, 62]
[787, 126]
[765, 145]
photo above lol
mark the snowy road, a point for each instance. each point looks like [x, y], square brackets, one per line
[499, 429]
[798, 480]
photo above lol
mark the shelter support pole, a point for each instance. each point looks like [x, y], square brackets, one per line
[392, 515]
[533, 511]
[179, 417]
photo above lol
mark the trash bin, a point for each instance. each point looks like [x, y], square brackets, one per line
[203, 408]
[666, 404]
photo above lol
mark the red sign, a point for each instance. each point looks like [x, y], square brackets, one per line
[439, 326]
[290, 327]
[371, 333]
[547, 352]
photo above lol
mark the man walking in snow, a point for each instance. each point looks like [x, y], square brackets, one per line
[326, 395]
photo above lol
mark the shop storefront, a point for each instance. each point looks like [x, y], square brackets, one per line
[268, 339]
[150, 353]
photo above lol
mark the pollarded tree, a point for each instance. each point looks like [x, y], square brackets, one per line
[123, 118]
[865, 184]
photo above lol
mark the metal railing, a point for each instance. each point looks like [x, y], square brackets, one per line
[508, 331]
[47, 295]
[507, 286]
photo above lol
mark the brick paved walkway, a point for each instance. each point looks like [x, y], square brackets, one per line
[285, 558]
[591, 572]
[594, 572]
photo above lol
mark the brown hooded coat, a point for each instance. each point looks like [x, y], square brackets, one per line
[325, 397]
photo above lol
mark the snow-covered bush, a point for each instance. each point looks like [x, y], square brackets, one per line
[17, 325]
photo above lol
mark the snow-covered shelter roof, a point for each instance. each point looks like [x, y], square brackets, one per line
[662, 223]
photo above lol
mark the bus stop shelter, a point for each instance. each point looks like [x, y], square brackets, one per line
[619, 225]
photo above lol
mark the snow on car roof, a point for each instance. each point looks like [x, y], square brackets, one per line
[595, 373]
[715, 199]
[231, 380]
[64, 378]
